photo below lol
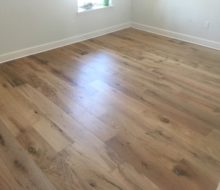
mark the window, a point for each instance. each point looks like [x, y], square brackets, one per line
[86, 5]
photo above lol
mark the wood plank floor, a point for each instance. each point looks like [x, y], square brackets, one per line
[125, 111]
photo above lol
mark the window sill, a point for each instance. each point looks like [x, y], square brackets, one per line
[97, 7]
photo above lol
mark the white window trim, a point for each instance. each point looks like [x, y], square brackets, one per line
[95, 8]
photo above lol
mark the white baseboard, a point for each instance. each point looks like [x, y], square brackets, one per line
[176, 35]
[78, 38]
[60, 43]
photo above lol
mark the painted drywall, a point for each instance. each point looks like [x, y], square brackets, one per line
[199, 18]
[28, 23]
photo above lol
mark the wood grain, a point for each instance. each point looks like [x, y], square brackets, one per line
[126, 111]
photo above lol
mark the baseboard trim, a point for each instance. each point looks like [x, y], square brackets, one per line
[178, 36]
[78, 38]
[60, 43]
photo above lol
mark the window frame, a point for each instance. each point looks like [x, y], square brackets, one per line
[95, 8]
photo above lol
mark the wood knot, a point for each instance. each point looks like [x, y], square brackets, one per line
[2, 141]
[32, 150]
[179, 171]
[19, 165]
[144, 164]
[83, 53]
[92, 184]
[164, 120]
[4, 85]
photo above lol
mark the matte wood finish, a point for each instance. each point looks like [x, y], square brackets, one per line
[125, 111]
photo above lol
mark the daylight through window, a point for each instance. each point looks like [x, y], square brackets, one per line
[84, 5]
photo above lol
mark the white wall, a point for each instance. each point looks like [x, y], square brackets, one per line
[200, 18]
[28, 23]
